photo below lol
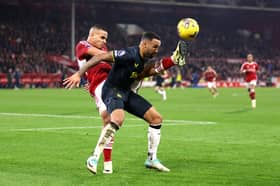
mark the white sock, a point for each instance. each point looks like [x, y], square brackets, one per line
[160, 91]
[254, 103]
[106, 135]
[164, 95]
[153, 142]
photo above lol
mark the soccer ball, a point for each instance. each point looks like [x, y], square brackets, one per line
[187, 28]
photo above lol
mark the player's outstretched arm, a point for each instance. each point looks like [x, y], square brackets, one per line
[75, 79]
[72, 81]
[151, 69]
[242, 69]
[108, 56]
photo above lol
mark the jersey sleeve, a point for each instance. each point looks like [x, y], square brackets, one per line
[122, 56]
[242, 67]
[81, 50]
[215, 73]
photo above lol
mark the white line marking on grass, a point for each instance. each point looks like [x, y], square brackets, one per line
[54, 128]
[92, 127]
[65, 128]
[167, 122]
[190, 122]
[48, 115]
[97, 117]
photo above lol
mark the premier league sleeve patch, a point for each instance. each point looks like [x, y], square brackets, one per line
[119, 53]
[121, 56]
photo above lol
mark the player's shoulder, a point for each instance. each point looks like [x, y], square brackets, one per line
[129, 52]
[245, 63]
[132, 50]
[84, 43]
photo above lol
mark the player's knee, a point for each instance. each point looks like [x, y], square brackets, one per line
[117, 121]
[117, 116]
[152, 116]
[106, 120]
[105, 117]
[156, 119]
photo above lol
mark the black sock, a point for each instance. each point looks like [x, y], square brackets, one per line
[114, 125]
[155, 126]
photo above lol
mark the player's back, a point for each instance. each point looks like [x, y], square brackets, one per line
[128, 64]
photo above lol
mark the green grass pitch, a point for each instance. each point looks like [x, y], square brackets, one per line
[47, 134]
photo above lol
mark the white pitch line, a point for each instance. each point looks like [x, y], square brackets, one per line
[48, 115]
[96, 117]
[69, 128]
[90, 127]
[55, 128]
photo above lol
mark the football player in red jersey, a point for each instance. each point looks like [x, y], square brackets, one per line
[250, 68]
[94, 45]
[210, 76]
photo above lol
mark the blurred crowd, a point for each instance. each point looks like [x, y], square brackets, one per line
[26, 40]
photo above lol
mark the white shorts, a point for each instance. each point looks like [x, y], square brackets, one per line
[251, 83]
[211, 84]
[98, 98]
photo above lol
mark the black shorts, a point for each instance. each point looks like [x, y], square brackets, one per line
[159, 81]
[115, 98]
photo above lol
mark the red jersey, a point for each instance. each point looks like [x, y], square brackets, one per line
[96, 74]
[250, 70]
[210, 75]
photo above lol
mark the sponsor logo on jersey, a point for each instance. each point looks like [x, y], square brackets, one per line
[134, 75]
[119, 95]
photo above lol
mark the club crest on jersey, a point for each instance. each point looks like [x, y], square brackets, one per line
[136, 65]
[119, 53]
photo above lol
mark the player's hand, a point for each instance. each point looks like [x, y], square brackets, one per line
[72, 81]
[86, 86]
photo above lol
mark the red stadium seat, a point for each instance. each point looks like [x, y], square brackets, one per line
[26, 78]
[3, 79]
[37, 79]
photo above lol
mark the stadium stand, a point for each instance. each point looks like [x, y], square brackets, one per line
[35, 39]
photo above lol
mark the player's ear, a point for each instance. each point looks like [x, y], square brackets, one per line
[145, 43]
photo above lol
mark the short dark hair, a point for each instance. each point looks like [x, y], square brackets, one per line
[99, 27]
[149, 36]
